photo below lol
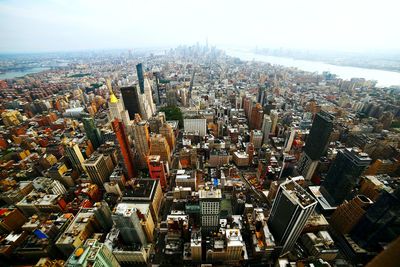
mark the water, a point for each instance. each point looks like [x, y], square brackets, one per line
[383, 78]
[15, 74]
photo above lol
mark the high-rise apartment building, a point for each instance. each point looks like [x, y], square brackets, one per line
[290, 210]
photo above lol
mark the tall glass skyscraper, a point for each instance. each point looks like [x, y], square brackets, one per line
[292, 207]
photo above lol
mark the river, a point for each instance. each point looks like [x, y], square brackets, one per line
[383, 78]
[15, 74]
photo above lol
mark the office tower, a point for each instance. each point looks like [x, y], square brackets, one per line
[266, 128]
[148, 93]
[256, 117]
[344, 174]
[124, 148]
[316, 144]
[75, 156]
[140, 134]
[145, 191]
[159, 146]
[92, 253]
[318, 140]
[274, 118]
[127, 221]
[289, 139]
[117, 110]
[290, 211]
[92, 132]
[167, 131]
[130, 98]
[210, 207]
[380, 224]
[262, 95]
[348, 214]
[256, 137]
[195, 124]
[103, 215]
[140, 75]
[157, 169]
[96, 168]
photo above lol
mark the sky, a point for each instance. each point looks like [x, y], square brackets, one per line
[69, 25]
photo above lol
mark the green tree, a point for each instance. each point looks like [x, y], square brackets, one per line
[173, 113]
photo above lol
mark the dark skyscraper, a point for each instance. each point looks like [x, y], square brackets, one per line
[380, 224]
[92, 132]
[344, 174]
[318, 140]
[139, 69]
[290, 211]
[131, 100]
[316, 144]
[124, 147]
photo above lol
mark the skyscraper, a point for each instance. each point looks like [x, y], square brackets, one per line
[124, 148]
[74, 155]
[130, 98]
[380, 224]
[92, 253]
[140, 134]
[127, 221]
[167, 131]
[97, 169]
[210, 207]
[344, 175]
[157, 169]
[266, 128]
[316, 144]
[274, 118]
[139, 70]
[92, 132]
[159, 146]
[318, 140]
[256, 117]
[117, 110]
[290, 211]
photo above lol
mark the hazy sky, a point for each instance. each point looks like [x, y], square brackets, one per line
[58, 25]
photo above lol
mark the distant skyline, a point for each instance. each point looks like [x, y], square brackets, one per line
[56, 25]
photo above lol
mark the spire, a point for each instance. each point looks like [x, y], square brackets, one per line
[113, 98]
